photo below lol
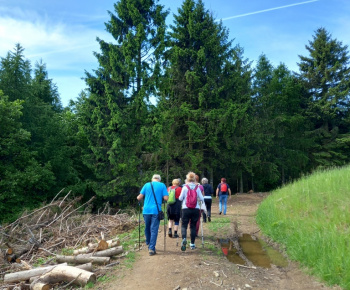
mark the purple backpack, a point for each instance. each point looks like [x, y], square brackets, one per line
[191, 199]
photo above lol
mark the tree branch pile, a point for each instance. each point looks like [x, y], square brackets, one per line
[64, 226]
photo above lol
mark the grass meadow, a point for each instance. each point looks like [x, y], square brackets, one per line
[311, 218]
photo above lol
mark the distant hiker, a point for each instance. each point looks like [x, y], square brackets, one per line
[200, 206]
[174, 207]
[222, 192]
[208, 192]
[190, 209]
[150, 209]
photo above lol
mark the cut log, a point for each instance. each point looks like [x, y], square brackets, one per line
[65, 274]
[86, 267]
[26, 275]
[40, 286]
[109, 242]
[101, 245]
[11, 258]
[9, 251]
[109, 252]
[80, 259]
[105, 253]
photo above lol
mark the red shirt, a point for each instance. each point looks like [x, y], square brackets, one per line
[177, 190]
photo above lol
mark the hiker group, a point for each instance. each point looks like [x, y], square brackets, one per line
[186, 202]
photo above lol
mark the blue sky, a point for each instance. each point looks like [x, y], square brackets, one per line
[63, 33]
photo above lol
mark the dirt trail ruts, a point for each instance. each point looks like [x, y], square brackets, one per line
[204, 268]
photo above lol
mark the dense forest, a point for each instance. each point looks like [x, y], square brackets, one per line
[168, 100]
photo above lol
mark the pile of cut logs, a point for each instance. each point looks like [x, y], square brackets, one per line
[42, 278]
[62, 226]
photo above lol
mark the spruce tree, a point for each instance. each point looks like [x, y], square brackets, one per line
[325, 74]
[195, 103]
[278, 106]
[15, 74]
[114, 115]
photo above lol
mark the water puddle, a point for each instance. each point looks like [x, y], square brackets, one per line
[255, 250]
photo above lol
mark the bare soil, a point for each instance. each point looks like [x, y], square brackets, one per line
[206, 267]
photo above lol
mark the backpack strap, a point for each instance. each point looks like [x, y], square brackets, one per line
[155, 197]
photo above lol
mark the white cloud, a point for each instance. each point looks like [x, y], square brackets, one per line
[66, 49]
[60, 44]
[268, 10]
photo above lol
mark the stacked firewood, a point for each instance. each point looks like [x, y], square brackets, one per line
[62, 226]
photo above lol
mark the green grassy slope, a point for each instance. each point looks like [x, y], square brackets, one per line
[311, 218]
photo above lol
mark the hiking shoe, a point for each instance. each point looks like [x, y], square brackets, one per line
[183, 245]
[209, 219]
[176, 235]
[170, 234]
[220, 212]
[152, 253]
[192, 246]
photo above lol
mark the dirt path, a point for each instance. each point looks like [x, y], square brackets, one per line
[206, 268]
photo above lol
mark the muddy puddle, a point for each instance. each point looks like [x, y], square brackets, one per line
[255, 250]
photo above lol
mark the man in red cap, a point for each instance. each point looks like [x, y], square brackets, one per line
[223, 191]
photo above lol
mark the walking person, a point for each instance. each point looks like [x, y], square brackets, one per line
[222, 192]
[208, 192]
[190, 209]
[153, 193]
[174, 208]
[200, 209]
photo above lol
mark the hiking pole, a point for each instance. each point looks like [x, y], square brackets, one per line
[139, 226]
[179, 228]
[202, 225]
[164, 230]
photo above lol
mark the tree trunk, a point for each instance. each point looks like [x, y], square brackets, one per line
[86, 267]
[167, 173]
[40, 286]
[241, 186]
[108, 253]
[26, 275]
[65, 274]
[81, 259]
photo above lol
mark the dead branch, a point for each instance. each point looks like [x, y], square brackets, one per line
[56, 196]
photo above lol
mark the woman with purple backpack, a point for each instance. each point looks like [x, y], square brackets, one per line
[190, 209]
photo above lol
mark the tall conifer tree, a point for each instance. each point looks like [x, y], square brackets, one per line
[115, 113]
[279, 104]
[195, 101]
[325, 74]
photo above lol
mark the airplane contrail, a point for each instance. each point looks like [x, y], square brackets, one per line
[266, 10]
